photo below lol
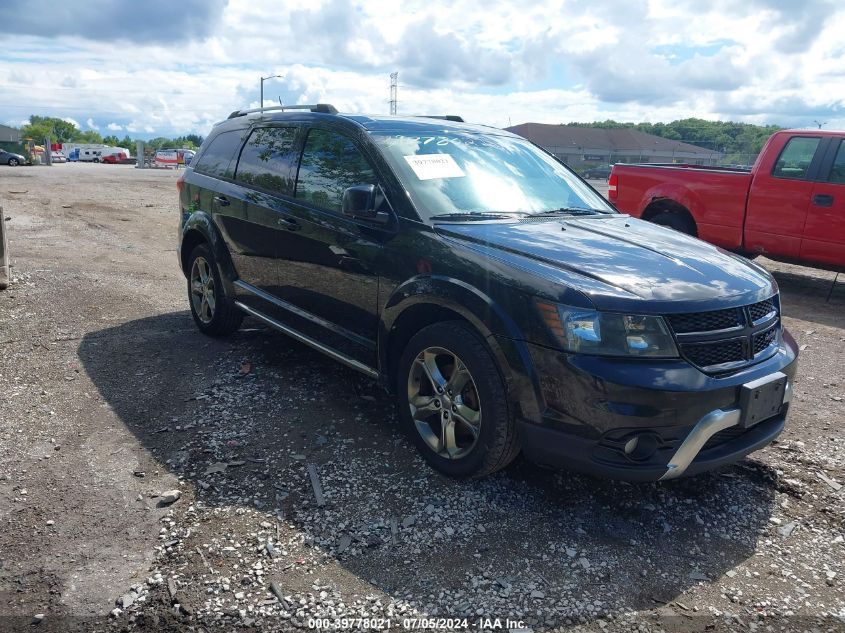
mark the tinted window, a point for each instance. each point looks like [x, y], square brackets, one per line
[837, 171]
[216, 160]
[795, 159]
[330, 163]
[268, 159]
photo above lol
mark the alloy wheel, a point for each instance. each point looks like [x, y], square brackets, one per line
[202, 290]
[444, 402]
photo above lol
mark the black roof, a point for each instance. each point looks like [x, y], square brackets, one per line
[372, 122]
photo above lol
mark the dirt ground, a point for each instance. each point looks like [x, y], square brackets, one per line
[110, 397]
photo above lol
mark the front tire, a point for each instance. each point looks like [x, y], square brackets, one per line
[453, 402]
[214, 313]
[14, 162]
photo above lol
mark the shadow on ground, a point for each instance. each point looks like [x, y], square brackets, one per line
[566, 537]
[809, 297]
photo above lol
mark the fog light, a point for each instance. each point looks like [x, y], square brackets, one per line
[641, 447]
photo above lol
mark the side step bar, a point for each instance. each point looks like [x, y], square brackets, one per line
[310, 342]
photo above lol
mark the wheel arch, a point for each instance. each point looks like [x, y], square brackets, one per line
[200, 229]
[423, 301]
[659, 206]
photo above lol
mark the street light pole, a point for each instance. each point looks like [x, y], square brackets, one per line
[262, 87]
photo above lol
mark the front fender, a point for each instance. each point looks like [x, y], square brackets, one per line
[488, 318]
[198, 227]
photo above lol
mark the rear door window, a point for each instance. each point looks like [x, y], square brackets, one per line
[837, 170]
[794, 161]
[330, 164]
[268, 159]
[218, 158]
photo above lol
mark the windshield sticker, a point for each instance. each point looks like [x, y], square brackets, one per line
[429, 166]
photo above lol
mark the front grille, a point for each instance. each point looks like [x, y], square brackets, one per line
[717, 353]
[705, 321]
[763, 339]
[759, 310]
[703, 341]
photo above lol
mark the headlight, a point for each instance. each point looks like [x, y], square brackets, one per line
[609, 333]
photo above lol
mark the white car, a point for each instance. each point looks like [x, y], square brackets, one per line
[58, 157]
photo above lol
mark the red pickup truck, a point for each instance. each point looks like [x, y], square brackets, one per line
[790, 206]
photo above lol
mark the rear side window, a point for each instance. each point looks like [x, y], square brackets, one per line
[794, 161]
[837, 171]
[268, 159]
[330, 164]
[217, 159]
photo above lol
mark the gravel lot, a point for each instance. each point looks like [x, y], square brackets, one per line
[109, 398]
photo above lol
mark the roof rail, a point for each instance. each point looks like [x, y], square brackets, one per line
[324, 108]
[445, 117]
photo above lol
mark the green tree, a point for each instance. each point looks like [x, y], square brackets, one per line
[88, 136]
[738, 141]
[159, 142]
[112, 140]
[58, 130]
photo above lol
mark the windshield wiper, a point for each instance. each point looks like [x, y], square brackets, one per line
[568, 211]
[474, 215]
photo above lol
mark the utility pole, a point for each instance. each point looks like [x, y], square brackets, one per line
[263, 79]
[820, 123]
[394, 81]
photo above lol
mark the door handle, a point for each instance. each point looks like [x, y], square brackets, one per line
[289, 224]
[223, 201]
[823, 200]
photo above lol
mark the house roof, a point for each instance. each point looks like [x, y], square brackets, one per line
[559, 137]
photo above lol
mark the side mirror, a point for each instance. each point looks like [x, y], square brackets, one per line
[360, 202]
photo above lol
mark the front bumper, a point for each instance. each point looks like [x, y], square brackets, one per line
[681, 421]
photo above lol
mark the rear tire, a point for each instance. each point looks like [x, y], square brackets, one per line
[675, 221]
[214, 313]
[453, 402]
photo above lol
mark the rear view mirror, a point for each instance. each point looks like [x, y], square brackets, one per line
[360, 202]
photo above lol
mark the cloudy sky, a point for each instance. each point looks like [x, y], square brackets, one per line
[165, 67]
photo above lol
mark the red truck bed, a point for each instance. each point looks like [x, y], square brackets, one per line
[714, 196]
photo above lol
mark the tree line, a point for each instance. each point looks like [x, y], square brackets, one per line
[61, 131]
[727, 137]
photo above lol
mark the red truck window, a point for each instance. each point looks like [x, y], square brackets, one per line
[794, 161]
[837, 171]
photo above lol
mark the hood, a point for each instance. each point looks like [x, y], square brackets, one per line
[620, 257]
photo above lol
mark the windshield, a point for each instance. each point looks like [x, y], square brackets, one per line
[465, 173]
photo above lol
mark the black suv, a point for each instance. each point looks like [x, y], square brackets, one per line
[507, 305]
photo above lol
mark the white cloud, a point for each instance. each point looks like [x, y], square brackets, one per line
[497, 61]
[91, 125]
[114, 127]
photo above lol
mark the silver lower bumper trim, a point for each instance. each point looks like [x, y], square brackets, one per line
[706, 428]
